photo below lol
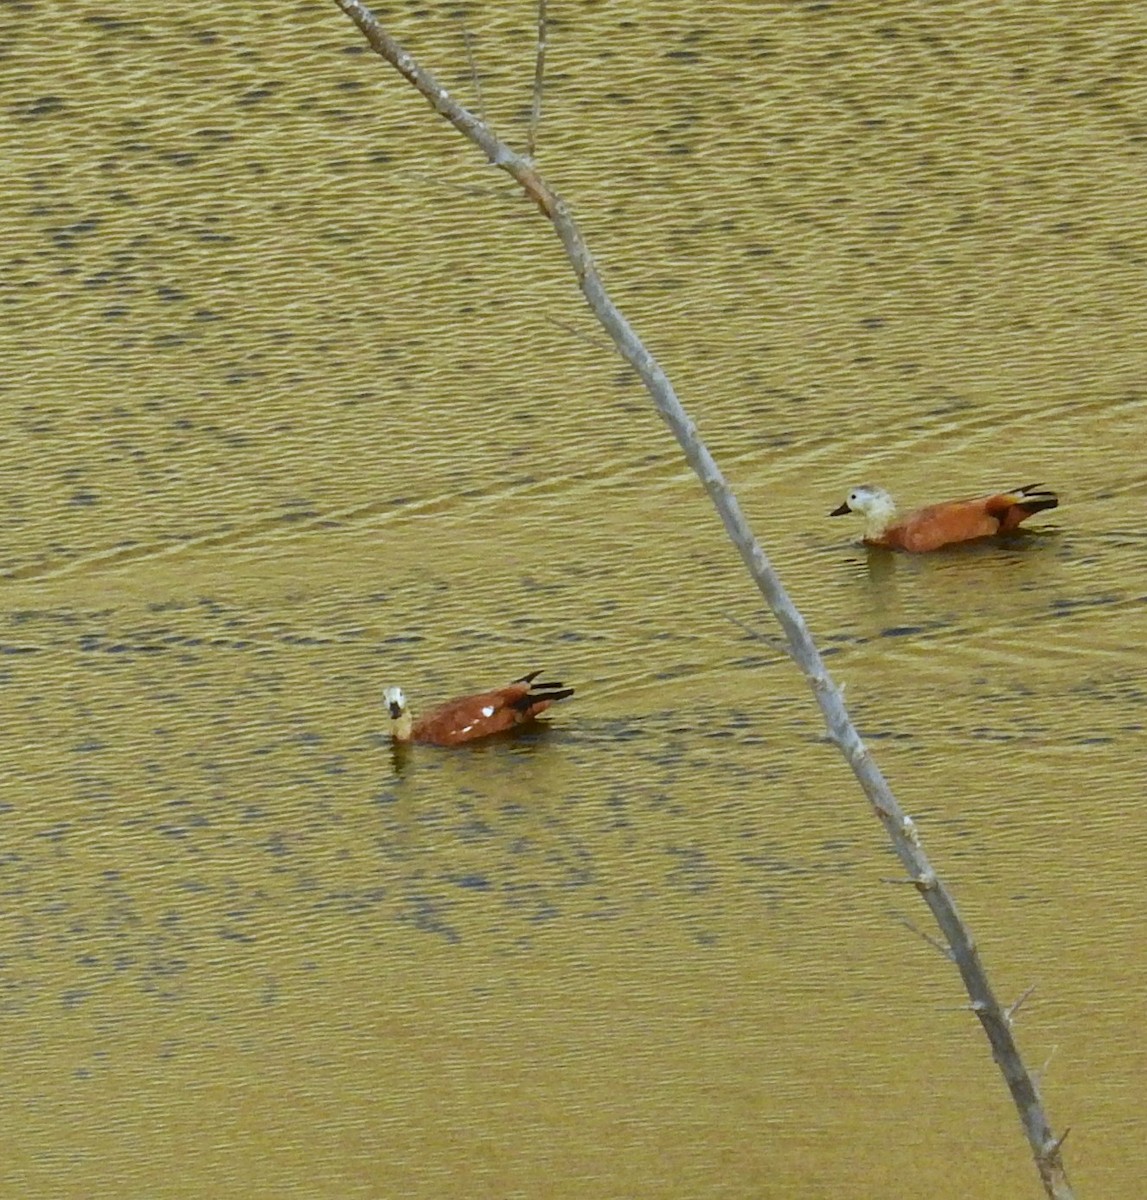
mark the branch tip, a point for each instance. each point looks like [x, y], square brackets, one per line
[1047, 1062]
[539, 77]
[1018, 1003]
[475, 79]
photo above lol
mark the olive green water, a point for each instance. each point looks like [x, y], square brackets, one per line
[299, 399]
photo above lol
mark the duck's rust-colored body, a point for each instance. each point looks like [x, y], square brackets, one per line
[944, 524]
[477, 716]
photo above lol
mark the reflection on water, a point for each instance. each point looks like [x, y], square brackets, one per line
[294, 410]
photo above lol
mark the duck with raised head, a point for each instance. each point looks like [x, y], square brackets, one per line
[476, 716]
[942, 524]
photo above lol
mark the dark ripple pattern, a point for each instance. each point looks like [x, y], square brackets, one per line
[299, 399]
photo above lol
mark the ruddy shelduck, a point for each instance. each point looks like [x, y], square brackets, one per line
[942, 524]
[476, 716]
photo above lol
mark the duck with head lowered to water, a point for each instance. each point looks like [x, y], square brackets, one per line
[476, 716]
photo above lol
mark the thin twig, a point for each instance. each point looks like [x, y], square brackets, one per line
[758, 636]
[539, 75]
[581, 334]
[1046, 1064]
[936, 945]
[475, 80]
[492, 191]
[1017, 1004]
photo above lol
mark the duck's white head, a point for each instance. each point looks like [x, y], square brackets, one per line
[873, 503]
[401, 722]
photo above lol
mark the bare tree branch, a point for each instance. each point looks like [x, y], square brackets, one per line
[899, 827]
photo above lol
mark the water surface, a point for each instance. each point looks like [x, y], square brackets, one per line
[301, 400]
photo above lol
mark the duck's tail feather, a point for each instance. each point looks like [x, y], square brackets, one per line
[551, 690]
[1034, 497]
